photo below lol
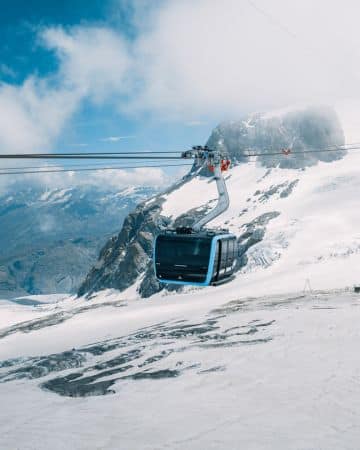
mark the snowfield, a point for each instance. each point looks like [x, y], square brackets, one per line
[268, 361]
[315, 235]
[195, 371]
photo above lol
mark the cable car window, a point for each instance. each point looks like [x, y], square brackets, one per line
[230, 249]
[229, 258]
[224, 252]
[216, 259]
[172, 250]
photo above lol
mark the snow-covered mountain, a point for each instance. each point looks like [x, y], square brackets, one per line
[268, 361]
[302, 224]
[316, 127]
[282, 207]
[49, 238]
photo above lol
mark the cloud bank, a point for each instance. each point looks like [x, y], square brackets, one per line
[190, 61]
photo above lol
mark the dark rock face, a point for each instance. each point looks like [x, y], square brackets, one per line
[312, 128]
[140, 355]
[127, 257]
[283, 190]
[253, 234]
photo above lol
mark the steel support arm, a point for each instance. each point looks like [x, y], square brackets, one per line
[223, 200]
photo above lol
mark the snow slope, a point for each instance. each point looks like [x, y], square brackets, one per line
[315, 237]
[186, 372]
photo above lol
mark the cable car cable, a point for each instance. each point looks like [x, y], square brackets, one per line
[300, 152]
[128, 155]
[89, 169]
[58, 166]
[73, 156]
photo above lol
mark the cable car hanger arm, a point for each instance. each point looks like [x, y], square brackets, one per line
[222, 204]
[216, 163]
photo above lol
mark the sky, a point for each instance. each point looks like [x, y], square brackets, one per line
[113, 75]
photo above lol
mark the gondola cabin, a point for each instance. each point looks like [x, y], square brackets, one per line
[199, 258]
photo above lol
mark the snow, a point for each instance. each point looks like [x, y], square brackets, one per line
[277, 368]
[56, 195]
[316, 236]
[28, 307]
[191, 195]
[128, 191]
[296, 390]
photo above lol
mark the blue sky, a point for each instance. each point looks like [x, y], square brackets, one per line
[20, 53]
[91, 126]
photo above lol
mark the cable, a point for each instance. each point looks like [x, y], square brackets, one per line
[333, 147]
[340, 148]
[90, 169]
[115, 156]
[24, 170]
[272, 19]
[79, 156]
[112, 153]
[124, 153]
[55, 165]
[301, 152]
[90, 154]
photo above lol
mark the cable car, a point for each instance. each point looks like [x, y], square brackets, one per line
[196, 255]
[201, 258]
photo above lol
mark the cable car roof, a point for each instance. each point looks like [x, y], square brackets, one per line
[187, 231]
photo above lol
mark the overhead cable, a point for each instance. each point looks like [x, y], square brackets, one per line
[26, 172]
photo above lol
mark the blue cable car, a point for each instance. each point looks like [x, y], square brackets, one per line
[196, 255]
[201, 258]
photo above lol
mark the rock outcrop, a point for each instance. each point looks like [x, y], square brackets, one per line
[312, 128]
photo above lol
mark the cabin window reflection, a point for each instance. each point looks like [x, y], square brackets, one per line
[216, 259]
[183, 251]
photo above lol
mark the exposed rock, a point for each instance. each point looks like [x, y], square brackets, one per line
[288, 190]
[142, 354]
[125, 257]
[129, 255]
[253, 234]
[283, 190]
[312, 128]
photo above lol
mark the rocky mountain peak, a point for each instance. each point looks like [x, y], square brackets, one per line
[310, 128]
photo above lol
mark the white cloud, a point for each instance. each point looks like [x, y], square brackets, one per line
[211, 58]
[190, 61]
[115, 138]
[116, 178]
[136, 177]
[93, 60]
[195, 123]
[32, 115]
[93, 64]
[7, 71]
